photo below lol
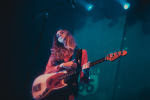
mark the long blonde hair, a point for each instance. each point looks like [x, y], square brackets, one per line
[59, 49]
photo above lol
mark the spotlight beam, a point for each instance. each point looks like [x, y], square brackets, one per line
[124, 3]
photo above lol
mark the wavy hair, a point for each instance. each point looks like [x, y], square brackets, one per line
[59, 49]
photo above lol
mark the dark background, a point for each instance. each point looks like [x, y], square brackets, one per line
[20, 33]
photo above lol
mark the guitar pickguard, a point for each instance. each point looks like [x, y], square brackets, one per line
[54, 82]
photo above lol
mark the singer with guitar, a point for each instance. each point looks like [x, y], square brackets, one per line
[66, 56]
[66, 62]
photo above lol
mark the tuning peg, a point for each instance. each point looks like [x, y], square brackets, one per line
[121, 52]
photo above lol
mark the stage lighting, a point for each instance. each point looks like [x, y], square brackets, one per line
[90, 7]
[126, 6]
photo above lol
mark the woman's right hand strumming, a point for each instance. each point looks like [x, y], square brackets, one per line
[69, 65]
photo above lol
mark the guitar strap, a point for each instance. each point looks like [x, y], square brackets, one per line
[77, 56]
[73, 82]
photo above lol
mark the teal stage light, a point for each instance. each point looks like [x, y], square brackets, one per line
[126, 6]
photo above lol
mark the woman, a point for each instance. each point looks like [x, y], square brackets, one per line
[64, 54]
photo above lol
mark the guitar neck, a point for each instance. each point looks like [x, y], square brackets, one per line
[74, 71]
[97, 62]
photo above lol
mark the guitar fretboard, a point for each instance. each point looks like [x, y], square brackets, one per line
[74, 71]
[97, 62]
[68, 74]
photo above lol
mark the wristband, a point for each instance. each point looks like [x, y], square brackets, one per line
[61, 65]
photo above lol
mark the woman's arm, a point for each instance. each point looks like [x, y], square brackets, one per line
[50, 68]
[84, 74]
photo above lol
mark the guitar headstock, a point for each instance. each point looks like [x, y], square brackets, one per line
[114, 56]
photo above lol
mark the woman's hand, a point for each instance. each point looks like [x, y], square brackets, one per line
[69, 65]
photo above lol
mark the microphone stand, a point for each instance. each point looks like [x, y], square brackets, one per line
[44, 15]
[48, 10]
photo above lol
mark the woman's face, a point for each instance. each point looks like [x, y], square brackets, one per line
[61, 35]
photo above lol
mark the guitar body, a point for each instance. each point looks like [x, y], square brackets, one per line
[46, 83]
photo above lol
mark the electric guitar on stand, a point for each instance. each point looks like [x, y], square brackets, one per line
[46, 83]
